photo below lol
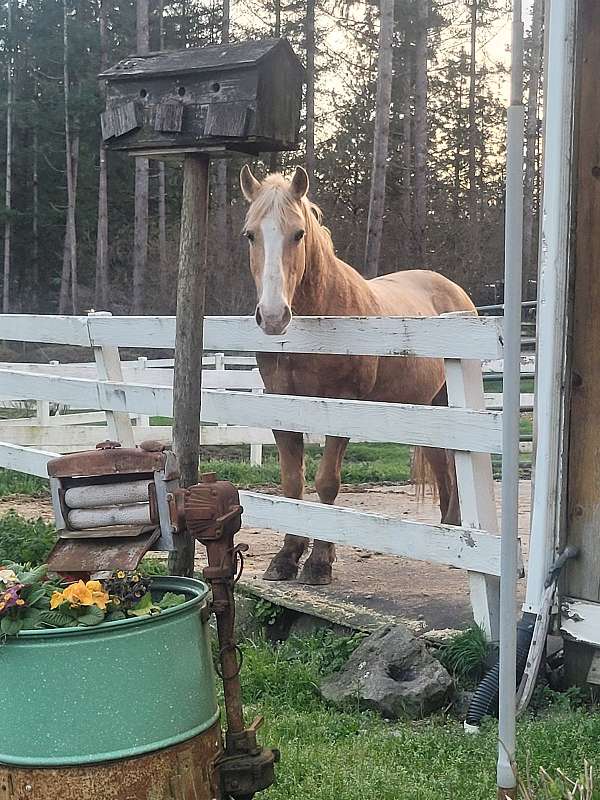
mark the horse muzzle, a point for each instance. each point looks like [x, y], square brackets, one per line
[273, 322]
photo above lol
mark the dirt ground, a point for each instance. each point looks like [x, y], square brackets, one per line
[427, 596]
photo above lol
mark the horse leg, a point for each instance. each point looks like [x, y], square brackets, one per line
[444, 469]
[318, 567]
[284, 566]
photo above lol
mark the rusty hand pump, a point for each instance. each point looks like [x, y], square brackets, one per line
[212, 514]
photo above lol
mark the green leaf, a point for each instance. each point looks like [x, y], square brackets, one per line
[10, 626]
[56, 618]
[142, 607]
[31, 618]
[113, 616]
[92, 616]
[34, 576]
[170, 600]
[34, 595]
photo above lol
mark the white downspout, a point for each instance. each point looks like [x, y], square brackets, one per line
[513, 272]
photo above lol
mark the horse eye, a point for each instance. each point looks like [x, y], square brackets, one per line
[249, 235]
[298, 235]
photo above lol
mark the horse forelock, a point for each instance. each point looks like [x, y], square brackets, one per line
[274, 198]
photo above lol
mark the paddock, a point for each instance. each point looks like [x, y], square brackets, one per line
[116, 391]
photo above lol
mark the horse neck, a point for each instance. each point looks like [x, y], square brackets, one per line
[325, 282]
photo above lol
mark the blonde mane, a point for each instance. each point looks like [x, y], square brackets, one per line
[274, 196]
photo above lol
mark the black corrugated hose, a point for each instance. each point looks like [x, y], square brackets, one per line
[485, 699]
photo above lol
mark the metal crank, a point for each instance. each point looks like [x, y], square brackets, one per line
[212, 514]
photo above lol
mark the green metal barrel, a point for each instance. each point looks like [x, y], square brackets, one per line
[75, 696]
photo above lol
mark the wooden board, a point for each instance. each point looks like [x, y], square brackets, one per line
[450, 337]
[454, 428]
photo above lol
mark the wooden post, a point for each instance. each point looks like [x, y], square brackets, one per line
[582, 578]
[187, 378]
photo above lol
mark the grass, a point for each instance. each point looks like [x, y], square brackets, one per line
[20, 483]
[332, 755]
[25, 541]
[465, 655]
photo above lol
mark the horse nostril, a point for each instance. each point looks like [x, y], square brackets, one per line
[258, 316]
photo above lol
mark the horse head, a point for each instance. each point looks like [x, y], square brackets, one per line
[276, 227]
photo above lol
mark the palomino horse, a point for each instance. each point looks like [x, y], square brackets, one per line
[296, 270]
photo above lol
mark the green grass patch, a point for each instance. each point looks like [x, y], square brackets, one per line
[364, 463]
[332, 755]
[20, 483]
[25, 541]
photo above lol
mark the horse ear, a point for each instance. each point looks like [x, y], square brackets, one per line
[248, 183]
[299, 187]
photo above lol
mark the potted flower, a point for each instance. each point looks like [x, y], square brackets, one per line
[120, 666]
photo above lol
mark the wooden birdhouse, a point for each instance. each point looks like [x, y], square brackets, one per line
[244, 96]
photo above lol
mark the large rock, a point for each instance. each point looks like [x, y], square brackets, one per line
[393, 673]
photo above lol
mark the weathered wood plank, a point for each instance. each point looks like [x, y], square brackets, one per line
[453, 337]
[454, 428]
[25, 459]
[49, 328]
[440, 544]
[580, 620]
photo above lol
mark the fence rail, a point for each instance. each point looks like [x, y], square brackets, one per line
[120, 390]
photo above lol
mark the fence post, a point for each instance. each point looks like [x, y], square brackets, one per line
[108, 364]
[142, 420]
[464, 381]
[256, 450]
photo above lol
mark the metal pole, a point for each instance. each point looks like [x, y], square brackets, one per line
[552, 297]
[513, 248]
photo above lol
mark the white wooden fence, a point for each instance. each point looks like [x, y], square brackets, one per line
[465, 426]
[70, 432]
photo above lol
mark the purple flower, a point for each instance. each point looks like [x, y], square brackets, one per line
[10, 598]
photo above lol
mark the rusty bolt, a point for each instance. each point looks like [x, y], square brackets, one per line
[108, 445]
[208, 477]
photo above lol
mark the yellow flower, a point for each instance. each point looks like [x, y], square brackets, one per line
[78, 595]
[120, 574]
[20, 602]
[100, 599]
[81, 594]
[2, 606]
[56, 600]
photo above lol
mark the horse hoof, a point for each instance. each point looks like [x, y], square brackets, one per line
[281, 569]
[318, 574]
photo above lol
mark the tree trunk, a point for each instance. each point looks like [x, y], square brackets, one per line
[69, 149]
[472, 163]
[421, 147]
[310, 89]
[66, 277]
[274, 158]
[101, 286]
[165, 288]
[458, 156]
[140, 231]
[35, 221]
[9, 158]
[221, 228]
[531, 142]
[407, 215]
[380, 140]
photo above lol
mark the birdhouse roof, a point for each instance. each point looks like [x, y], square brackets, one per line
[199, 59]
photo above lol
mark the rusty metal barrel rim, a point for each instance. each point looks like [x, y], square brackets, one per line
[121, 689]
